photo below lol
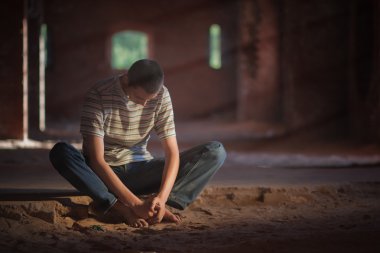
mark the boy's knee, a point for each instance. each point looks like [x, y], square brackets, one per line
[217, 150]
[59, 150]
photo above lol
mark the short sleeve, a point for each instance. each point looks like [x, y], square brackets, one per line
[92, 118]
[164, 123]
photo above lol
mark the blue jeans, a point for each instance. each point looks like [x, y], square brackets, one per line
[197, 166]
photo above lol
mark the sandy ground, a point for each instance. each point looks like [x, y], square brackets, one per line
[329, 218]
[291, 194]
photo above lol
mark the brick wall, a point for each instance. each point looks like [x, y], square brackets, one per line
[294, 62]
[80, 33]
[259, 90]
[11, 124]
[314, 60]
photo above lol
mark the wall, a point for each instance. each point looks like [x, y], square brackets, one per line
[182, 44]
[314, 61]
[11, 13]
[259, 90]
[292, 62]
[364, 54]
[80, 33]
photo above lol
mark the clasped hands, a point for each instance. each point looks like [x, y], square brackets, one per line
[152, 209]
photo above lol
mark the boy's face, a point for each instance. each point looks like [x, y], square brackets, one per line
[139, 95]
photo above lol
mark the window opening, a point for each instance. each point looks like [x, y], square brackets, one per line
[215, 58]
[43, 63]
[128, 47]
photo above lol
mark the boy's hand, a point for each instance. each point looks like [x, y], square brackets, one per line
[158, 208]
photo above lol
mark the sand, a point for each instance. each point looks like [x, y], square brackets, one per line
[325, 218]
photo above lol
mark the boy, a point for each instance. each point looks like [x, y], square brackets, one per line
[118, 115]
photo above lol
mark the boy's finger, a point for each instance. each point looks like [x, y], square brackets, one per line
[157, 208]
[152, 206]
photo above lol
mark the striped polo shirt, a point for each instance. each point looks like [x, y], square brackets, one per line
[124, 125]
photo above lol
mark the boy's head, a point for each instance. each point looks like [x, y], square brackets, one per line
[146, 74]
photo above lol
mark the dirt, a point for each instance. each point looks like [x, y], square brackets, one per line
[324, 218]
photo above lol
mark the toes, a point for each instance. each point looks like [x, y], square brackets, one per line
[143, 223]
[139, 223]
[134, 224]
[177, 218]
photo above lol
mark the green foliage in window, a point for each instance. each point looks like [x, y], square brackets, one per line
[43, 46]
[128, 47]
[215, 59]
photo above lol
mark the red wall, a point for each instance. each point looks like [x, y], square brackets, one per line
[80, 33]
[259, 90]
[11, 125]
[314, 61]
[291, 62]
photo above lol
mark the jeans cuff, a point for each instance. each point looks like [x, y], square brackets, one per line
[110, 206]
[176, 203]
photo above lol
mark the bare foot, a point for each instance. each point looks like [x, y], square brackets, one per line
[127, 215]
[168, 217]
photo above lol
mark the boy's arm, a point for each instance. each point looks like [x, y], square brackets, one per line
[169, 175]
[94, 148]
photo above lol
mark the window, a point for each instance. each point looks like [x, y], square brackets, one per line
[128, 47]
[215, 57]
[43, 65]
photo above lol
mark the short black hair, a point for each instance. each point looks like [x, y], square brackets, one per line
[146, 74]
